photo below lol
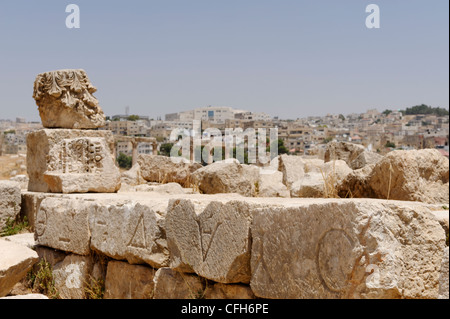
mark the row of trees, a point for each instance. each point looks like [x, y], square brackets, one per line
[422, 109]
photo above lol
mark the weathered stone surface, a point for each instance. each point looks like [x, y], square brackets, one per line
[321, 181]
[227, 177]
[10, 201]
[310, 185]
[346, 249]
[82, 165]
[442, 216]
[15, 261]
[26, 239]
[364, 159]
[292, 167]
[30, 206]
[46, 153]
[71, 276]
[130, 231]
[22, 180]
[63, 224]
[443, 279]
[133, 176]
[421, 175]
[356, 184]
[231, 291]
[49, 255]
[271, 185]
[354, 155]
[211, 239]
[125, 281]
[171, 284]
[65, 100]
[161, 169]
[170, 188]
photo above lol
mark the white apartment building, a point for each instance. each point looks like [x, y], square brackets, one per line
[214, 114]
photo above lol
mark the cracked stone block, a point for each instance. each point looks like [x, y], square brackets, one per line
[346, 249]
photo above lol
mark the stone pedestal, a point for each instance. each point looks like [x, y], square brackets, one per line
[71, 161]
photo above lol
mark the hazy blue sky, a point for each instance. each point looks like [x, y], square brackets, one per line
[290, 58]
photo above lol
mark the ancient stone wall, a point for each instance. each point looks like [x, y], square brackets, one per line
[198, 246]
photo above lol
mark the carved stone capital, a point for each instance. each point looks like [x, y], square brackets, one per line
[65, 100]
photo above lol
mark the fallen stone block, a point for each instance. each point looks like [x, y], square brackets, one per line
[354, 155]
[26, 239]
[10, 201]
[161, 169]
[63, 224]
[125, 281]
[171, 284]
[421, 175]
[292, 167]
[227, 177]
[346, 249]
[15, 261]
[271, 185]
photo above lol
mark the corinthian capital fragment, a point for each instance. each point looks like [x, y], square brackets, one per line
[65, 100]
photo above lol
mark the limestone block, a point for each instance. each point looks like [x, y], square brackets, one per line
[15, 261]
[171, 284]
[10, 201]
[271, 185]
[211, 239]
[161, 169]
[25, 239]
[62, 223]
[65, 100]
[227, 177]
[230, 291]
[354, 155]
[292, 167]
[346, 249]
[61, 151]
[130, 231]
[86, 166]
[30, 206]
[416, 175]
[71, 276]
[443, 278]
[125, 281]
[49, 255]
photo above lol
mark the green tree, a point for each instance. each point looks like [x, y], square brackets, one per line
[390, 145]
[387, 112]
[133, 118]
[124, 161]
[425, 109]
[165, 149]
